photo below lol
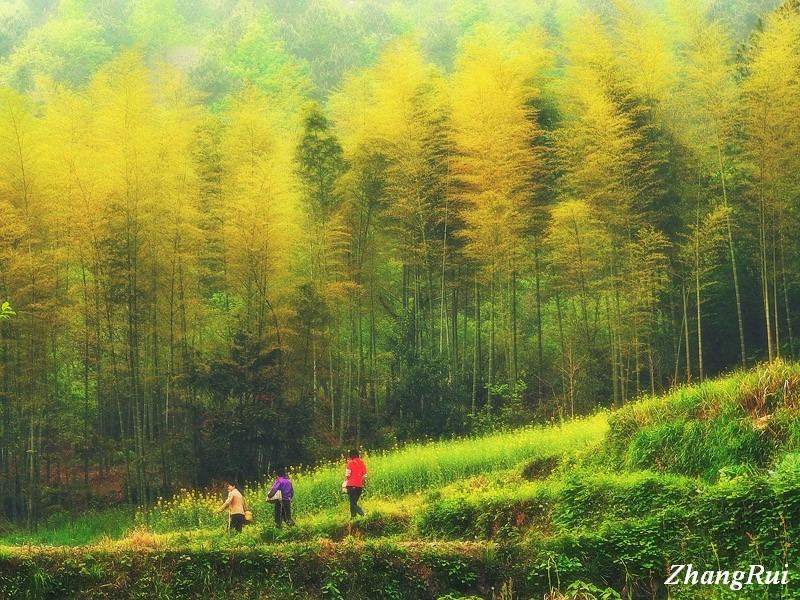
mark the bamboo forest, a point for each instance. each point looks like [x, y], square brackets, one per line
[244, 236]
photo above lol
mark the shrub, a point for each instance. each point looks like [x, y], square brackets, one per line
[489, 514]
[588, 499]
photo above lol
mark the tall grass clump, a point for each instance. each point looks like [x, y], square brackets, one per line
[586, 499]
[189, 509]
[502, 513]
[740, 420]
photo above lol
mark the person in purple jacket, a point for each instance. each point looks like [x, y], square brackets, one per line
[283, 506]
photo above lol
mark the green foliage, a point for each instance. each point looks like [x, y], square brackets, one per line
[248, 410]
[581, 590]
[634, 495]
[68, 49]
[426, 402]
[259, 58]
[508, 410]
[320, 163]
[15, 18]
[499, 508]
[6, 312]
[157, 24]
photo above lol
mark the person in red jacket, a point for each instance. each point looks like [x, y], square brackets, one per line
[355, 474]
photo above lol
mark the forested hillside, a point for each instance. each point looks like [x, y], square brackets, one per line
[239, 234]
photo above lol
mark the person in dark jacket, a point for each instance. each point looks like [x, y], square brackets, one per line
[283, 506]
[355, 474]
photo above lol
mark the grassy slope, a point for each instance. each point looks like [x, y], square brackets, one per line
[398, 479]
[706, 473]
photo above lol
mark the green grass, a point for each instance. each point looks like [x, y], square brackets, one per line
[67, 530]
[418, 467]
[745, 420]
[406, 473]
[398, 482]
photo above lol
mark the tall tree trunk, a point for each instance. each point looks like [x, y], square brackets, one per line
[359, 373]
[775, 303]
[636, 353]
[514, 369]
[32, 474]
[698, 304]
[331, 383]
[490, 374]
[454, 327]
[476, 352]
[417, 332]
[443, 334]
[116, 393]
[133, 358]
[344, 411]
[622, 378]
[464, 323]
[539, 342]
[732, 254]
[762, 247]
[85, 380]
[685, 298]
[614, 352]
[373, 347]
[562, 342]
[786, 296]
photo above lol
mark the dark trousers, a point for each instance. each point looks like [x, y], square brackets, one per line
[354, 493]
[236, 523]
[283, 512]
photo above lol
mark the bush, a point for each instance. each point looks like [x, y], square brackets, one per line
[587, 499]
[495, 514]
